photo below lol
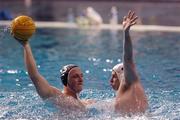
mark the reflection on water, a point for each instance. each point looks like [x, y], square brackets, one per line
[157, 59]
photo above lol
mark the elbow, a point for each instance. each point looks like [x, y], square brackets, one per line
[43, 95]
[33, 75]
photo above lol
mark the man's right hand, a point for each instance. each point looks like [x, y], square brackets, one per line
[22, 42]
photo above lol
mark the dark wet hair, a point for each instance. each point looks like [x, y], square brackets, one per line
[65, 71]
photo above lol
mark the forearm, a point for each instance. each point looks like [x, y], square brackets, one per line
[29, 61]
[127, 47]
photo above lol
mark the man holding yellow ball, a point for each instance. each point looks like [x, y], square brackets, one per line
[22, 28]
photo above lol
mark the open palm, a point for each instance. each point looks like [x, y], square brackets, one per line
[129, 20]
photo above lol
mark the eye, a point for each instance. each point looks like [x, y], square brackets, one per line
[122, 68]
[75, 76]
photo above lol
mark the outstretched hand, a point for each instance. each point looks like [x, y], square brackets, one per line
[129, 20]
[22, 42]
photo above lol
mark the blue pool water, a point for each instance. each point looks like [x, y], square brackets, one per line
[157, 56]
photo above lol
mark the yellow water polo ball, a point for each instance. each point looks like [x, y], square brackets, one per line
[22, 27]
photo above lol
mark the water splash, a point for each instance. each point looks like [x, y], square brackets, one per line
[28, 105]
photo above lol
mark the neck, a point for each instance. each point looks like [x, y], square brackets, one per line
[70, 92]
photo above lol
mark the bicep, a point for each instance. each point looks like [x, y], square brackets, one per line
[43, 88]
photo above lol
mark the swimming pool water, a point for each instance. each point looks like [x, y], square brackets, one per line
[157, 56]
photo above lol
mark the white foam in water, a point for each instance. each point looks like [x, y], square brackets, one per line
[12, 71]
[28, 105]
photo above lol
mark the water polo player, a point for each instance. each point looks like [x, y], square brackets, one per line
[71, 75]
[130, 96]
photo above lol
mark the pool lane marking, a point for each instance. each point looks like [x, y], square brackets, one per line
[140, 28]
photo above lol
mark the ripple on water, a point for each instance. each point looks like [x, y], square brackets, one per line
[28, 105]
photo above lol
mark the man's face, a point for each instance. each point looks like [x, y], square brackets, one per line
[114, 81]
[75, 79]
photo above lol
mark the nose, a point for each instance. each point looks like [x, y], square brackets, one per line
[80, 79]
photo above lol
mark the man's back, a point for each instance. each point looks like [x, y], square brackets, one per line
[133, 100]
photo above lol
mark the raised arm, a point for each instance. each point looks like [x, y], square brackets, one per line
[130, 74]
[42, 86]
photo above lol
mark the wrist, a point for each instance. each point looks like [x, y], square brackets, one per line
[25, 44]
[126, 31]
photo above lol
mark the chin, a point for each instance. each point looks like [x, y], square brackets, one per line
[114, 88]
[79, 89]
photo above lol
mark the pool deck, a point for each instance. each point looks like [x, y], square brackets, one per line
[140, 28]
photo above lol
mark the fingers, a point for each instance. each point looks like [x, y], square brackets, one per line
[130, 19]
[124, 18]
[131, 15]
[22, 42]
[134, 19]
[133, 23]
